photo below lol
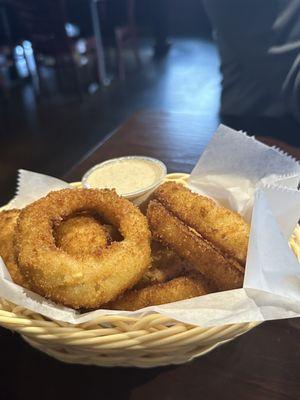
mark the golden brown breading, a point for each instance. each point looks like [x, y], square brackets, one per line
[181, 288]
[224, 272]
[8, 221]
[82, 235]
[89, 281]
[166, 265]
[224, 228]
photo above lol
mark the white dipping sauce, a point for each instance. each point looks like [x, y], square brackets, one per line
[126, 175]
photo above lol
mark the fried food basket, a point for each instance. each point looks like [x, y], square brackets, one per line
[145, 341]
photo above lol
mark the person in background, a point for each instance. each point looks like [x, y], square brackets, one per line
[259, 46]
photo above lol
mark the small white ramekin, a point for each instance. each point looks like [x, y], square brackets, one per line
[137, 194]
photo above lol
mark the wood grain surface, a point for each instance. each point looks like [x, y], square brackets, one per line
[177, 139]
[263, 364]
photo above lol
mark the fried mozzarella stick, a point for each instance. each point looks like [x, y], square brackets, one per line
[181, 288]
[225, 272]
[225, 229]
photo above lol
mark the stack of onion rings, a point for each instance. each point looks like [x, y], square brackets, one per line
[72, 281]
[89, 248]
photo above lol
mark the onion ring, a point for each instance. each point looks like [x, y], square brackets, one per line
[225, 272]
[82, 235]
[165, 265]
[66, 279]
[8, 222]
[181, 288]
[224, 228]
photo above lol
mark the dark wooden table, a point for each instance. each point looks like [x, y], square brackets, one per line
[263, 364]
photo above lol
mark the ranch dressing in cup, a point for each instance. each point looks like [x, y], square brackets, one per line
[131, 176]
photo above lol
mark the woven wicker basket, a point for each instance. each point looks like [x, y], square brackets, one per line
[147, 341]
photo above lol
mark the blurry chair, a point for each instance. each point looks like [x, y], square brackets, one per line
[44, 25]
[119, 32]
[126, 35]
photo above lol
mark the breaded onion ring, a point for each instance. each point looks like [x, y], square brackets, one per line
[181, 288]
[226, 273]
[8, 222]
[225, 229]
[82, 235]
[166, 265]
[91, 281]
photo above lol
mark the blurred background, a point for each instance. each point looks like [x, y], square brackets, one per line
[72, 70]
